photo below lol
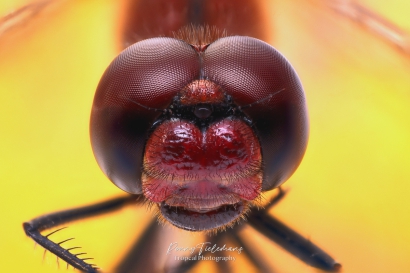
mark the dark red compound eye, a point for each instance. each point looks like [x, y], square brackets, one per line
[199, 130]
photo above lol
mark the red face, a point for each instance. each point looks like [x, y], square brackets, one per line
[201, 165]
[200, 130]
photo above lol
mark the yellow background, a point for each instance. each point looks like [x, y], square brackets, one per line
[350, 195]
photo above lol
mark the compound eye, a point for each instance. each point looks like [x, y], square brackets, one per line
[264, 84]
[203, 111]
[146, 75]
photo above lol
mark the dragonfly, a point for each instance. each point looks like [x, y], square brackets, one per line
[342, 10]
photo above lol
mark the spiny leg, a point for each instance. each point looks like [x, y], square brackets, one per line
[290, 240]
[35, 226]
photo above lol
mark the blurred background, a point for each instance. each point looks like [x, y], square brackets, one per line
[349, 196]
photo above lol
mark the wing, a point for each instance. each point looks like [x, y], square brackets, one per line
[342, 196]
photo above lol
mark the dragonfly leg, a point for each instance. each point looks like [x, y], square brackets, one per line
[35, 226]
[291, 241]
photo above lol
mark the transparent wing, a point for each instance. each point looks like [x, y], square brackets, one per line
[349, 194]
